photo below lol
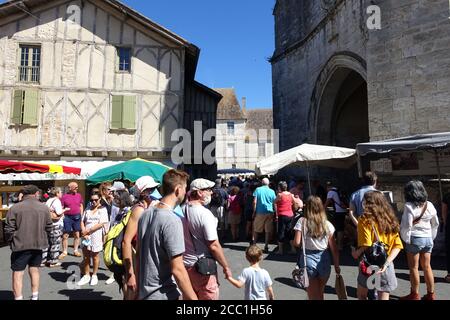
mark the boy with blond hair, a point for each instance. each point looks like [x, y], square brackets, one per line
[256, 280]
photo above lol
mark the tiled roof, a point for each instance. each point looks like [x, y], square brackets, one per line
[229, 107]
[259, 119]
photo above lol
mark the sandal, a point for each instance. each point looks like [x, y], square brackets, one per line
[62, 256]
[77, 254]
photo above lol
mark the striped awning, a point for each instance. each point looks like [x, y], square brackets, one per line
[31, 167]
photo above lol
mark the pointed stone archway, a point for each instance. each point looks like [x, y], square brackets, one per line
[339, 111]
[339, 107]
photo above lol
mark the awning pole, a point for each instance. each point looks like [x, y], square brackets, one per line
[436, 153]
[309, 180]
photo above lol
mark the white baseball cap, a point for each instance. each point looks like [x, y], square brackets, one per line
[202, 184]
[118, 186]
[146, 182]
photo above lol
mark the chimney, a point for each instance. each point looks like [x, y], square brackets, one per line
[244, 104]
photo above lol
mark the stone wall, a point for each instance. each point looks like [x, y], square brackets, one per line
[406, 65]
[297, 66]
[409, 69]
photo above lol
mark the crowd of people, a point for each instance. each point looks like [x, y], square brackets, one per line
[171, 245]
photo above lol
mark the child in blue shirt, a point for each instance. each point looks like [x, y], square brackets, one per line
[257, 281]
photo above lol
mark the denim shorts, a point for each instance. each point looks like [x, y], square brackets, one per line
[72, 223]
[318, 263]
[419, 245]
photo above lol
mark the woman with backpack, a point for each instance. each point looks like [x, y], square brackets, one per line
[378, 231]
[316, 234]
[418, 230]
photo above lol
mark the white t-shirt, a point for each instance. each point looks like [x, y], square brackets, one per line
[427, 227]
[55, 205]
[257, 281]
[203, 227]
[315, 243]
[332, 194]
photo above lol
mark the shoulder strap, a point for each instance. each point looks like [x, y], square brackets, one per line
[424, 209]
[376, 233]
[304, 240]
[186, 214]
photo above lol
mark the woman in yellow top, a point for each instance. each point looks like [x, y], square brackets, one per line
[378, 216]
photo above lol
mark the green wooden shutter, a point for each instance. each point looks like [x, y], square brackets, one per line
[30, 111]
[116, 112]
[17, 107]
[129, 112]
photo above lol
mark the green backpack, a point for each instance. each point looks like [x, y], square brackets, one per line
[112, 249]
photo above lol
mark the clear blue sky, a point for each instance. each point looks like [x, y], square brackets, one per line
[236, 37]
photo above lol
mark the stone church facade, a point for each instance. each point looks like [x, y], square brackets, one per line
[337, 82]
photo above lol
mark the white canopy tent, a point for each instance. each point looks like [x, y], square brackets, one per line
[307, 155]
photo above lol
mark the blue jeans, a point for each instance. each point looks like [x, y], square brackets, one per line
[318, 263]
[419, 245]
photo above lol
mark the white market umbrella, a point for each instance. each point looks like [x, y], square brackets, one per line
[307, 155]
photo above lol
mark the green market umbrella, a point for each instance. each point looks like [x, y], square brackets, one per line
[130, 170]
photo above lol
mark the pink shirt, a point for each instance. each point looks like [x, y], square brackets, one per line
[73, 202]
[284, 205]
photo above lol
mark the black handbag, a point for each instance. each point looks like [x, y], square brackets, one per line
[376, 254]
[205, 265]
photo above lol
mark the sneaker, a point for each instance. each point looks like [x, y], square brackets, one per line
[110, 281]
[84, 280]
[411, 296]
[94, 280]
[429, 296]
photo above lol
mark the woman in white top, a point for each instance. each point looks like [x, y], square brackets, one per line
[94, 225]
[418, 230]
[318, 235]
[50, 255]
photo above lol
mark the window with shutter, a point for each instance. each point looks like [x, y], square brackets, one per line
[129, 112]
[123, 113]
[17, 107]
[116, 112]
[30, 110]
[25, 107]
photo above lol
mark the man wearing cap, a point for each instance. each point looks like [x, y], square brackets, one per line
[201, 239]
[263, 212]
[72, 201]
[146, 186]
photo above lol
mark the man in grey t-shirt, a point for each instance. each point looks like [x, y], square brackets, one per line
[200, 234]
[160, 246]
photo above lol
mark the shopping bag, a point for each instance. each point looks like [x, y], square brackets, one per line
[341, 291]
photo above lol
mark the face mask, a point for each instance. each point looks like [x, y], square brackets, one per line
[207, 200]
